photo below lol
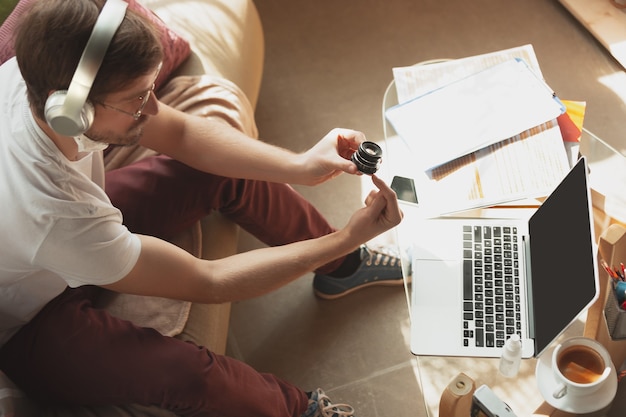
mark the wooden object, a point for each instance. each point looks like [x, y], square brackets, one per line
[456, 399]
[611, 248]
[605, 21]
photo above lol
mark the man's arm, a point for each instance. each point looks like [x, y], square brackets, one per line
[214, 146]
[167, 271]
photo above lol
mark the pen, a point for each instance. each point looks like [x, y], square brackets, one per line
[608, 269]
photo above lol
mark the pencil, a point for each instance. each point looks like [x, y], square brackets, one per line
[608, 269]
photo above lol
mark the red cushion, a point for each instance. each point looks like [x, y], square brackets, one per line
[175, 48]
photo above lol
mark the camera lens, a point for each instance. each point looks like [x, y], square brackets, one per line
[367, 158]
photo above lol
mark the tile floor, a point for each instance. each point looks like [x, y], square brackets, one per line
[328, 64]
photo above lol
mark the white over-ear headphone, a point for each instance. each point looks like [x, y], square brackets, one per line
[68, 112]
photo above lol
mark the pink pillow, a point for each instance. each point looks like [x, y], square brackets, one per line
[175, 48]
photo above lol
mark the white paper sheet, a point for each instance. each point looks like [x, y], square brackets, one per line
[472, 113]
[416, 80]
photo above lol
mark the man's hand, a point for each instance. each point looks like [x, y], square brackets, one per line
[331, 156]
[381, 213]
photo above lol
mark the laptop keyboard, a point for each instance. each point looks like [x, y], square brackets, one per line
[491, 299]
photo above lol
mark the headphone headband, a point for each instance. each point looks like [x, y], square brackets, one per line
[68, 112]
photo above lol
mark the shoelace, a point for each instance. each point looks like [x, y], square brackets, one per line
[327, 409]
[382, 255]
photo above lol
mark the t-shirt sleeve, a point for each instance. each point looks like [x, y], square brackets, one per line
[94, 251]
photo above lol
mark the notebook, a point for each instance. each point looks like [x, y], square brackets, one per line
[463, 285]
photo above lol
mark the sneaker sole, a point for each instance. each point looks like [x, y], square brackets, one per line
[386, 283]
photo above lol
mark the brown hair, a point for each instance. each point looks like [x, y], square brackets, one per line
[50, 39]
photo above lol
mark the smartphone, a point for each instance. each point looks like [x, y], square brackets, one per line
[485, 403]
[404, 189]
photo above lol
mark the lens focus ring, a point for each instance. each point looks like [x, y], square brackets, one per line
[368, 157]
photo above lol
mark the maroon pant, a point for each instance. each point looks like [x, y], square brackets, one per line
[74, 353]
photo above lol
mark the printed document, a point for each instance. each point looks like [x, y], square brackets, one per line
[416, 80]
[528, 164]
[474, 112]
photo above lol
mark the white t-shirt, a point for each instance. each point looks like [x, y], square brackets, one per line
[57, 225]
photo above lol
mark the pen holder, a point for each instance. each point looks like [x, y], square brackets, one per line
[615, 315]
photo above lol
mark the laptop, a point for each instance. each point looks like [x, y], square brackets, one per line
[476, 281]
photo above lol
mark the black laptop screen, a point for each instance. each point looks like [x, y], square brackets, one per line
[562, 257]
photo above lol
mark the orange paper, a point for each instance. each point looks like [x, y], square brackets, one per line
[571, 122]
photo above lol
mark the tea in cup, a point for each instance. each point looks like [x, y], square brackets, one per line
[581, 366]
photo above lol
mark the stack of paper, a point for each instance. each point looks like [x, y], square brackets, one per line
[482, 130]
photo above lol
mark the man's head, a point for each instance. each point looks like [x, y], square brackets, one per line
[52, 36]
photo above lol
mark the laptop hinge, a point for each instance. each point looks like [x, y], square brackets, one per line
[529, 286]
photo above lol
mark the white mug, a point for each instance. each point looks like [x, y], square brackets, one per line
[580, 366]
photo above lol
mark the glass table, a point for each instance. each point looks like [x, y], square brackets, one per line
[607, 174]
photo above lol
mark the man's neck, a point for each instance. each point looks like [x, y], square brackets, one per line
[66, 144]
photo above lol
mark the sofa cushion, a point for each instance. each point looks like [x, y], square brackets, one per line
[226, 38]
[175, 48]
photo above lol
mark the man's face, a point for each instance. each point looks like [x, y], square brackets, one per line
[120, 117]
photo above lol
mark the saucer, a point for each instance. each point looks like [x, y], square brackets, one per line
[580, 404]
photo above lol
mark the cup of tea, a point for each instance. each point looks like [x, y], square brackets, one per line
[580, 366]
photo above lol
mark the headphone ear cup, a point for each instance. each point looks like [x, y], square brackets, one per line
[63, 123]
[68, 112]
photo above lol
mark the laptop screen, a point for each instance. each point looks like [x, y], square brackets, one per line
[563, 263]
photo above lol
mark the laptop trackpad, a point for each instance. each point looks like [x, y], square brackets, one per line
[436, 311]
[436, 282]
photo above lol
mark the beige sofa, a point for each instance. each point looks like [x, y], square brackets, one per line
[226, 40]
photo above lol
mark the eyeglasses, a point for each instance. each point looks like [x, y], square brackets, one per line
[144, 98]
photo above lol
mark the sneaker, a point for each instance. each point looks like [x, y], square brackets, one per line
[378, 267]
[320, 406]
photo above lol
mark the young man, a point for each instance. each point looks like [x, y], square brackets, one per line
[64, 236]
